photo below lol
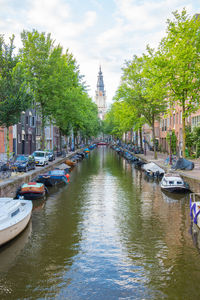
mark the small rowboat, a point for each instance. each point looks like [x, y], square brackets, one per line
[32, 191]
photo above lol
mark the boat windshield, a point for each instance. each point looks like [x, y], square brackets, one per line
[14, 213]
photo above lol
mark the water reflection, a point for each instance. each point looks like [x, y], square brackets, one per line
[195, 232]
[10, 251]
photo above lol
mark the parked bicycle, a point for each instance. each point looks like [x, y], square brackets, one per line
[6, 168]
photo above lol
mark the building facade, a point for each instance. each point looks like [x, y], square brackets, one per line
[100, 97]
[24, 133]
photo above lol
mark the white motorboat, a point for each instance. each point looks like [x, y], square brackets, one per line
[172, 182]
[195, 208]
[153, 170]
[14, 217]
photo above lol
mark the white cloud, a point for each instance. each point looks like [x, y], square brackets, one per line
[56, 17]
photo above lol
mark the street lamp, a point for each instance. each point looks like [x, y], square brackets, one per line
[170, 146]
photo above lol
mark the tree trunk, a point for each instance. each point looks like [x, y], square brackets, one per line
[60, 140]
[7, 144]
[136, 138]
[154, 140]
[140, 133]
[131, 135]
[42, 143]
[75, 141]
[183, 131]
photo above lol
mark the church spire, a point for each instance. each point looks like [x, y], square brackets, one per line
[100, 98]
[100, 83]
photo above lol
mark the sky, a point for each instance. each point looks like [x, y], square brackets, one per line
[96, 32]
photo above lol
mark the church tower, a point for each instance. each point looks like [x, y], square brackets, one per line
[100, 97]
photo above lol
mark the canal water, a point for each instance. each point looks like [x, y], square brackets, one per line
[109, 234]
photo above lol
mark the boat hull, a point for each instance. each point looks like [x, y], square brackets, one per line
[175, 189]
[33, 196]
[14, 230]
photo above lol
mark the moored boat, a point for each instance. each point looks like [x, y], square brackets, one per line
[153, 170]
[172, 182]
[86, 150]
[70, 163]
[14, 217]
[54, 177]
[32, 191]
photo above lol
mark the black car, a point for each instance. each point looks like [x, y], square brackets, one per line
[24, 163]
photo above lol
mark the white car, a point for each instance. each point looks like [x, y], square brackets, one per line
[41, 158]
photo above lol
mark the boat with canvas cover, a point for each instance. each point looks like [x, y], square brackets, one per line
[153, 170]
[70, 163]
[32, 191]
[14, 217]
[54, 177]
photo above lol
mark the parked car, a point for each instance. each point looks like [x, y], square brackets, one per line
[41, 158]
[23, 163]
[51, 155]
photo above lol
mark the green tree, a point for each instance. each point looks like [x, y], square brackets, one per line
[142, 87]
[15, 93]
[179, 58]
[69, 105]
[35, 56]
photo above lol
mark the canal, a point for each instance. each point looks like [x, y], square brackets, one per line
[109, 234]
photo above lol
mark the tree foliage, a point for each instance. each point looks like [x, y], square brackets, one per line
[35, 55]
[179, 53]
[15, 93]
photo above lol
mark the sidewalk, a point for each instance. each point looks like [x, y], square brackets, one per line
[192, 174]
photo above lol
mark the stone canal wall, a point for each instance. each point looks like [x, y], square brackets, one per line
[9, 186]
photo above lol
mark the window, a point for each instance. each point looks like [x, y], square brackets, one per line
[27, 120]
[22, 120]
[38, 130]
[14, 213]
[165, 125]
[174, 120]
[33, 121]
[167, 122]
